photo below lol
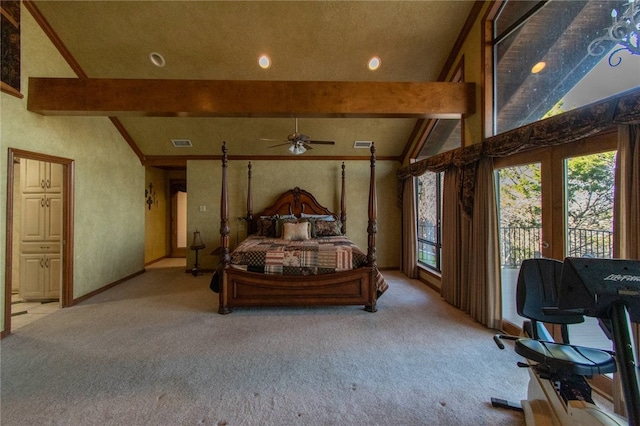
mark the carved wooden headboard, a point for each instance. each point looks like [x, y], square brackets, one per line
[295, 201]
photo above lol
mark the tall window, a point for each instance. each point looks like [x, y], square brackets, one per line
[429, 202]
[547, 59]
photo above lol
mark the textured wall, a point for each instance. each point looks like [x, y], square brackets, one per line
[109, 215]
[271, 178]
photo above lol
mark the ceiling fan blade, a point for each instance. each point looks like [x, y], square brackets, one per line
[271, 140]
[282, 144]
[306, 145]
[321, 142]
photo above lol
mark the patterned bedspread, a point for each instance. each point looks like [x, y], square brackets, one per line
[322, 255]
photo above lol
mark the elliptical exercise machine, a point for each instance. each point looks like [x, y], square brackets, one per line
[558, 393]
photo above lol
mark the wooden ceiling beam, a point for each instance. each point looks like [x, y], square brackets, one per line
[231, 98]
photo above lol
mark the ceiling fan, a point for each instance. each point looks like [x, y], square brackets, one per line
[298, 142]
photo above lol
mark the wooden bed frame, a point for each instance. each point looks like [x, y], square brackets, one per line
[240, 288]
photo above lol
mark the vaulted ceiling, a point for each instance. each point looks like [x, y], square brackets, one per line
[312, 41]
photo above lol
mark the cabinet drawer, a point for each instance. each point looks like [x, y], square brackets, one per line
[41, 247]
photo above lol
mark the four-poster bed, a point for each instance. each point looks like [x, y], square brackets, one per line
[294, 267]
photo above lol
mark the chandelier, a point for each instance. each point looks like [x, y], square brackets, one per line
[624, 31]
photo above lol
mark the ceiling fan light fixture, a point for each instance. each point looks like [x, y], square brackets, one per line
[264, 61]
[297, 149]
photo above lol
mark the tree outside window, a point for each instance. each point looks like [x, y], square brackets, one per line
[429, 212]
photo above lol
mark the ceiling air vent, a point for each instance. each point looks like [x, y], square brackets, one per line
[181, 143]
[362, 144]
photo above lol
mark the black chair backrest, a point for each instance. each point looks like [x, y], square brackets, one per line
[538, 284]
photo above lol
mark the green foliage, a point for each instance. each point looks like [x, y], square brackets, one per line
[520, 196]
[589, 191]
[590, 184]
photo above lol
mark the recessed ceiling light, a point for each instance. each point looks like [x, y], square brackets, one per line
[157, 59]
[538, 67]
[264, 61]
[374, 63]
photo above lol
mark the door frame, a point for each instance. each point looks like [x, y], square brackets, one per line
[67, 249]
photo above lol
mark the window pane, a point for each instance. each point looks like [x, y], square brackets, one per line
[589, 224]
[520, 215]
[556, 40]
[428, 207]
[429, 211]
[427, 254]
[590, 182]
[444, 136]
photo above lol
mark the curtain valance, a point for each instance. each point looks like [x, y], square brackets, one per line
[563, 128]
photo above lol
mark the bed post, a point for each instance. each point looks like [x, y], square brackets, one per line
[343, 205]
[372, 229]
[224, 234]
[249, 217]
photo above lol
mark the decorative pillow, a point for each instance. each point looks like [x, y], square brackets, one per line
[296, 231]
[266, 226]
[327, 228]
[327, 217]
[280, 225]
[312, 225]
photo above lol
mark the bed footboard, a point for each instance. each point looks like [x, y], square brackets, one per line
[250, 289]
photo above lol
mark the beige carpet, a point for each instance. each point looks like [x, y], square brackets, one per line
[153, 351]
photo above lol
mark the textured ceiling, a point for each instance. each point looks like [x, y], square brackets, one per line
[221, 40]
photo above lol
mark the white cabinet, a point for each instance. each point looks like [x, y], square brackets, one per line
[40, 176]
[40, 230]
[40, 276]
[41, 218]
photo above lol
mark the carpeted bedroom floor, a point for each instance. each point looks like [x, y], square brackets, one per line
[153, 351]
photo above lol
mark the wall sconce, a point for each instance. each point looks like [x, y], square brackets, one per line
[150, 196]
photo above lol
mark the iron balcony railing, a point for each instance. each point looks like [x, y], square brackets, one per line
[429, 249]
[519, 243]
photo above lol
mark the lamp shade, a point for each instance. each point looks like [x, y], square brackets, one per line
[197, 243]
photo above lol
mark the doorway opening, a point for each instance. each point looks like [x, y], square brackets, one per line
[178, 189]
[39, 240]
